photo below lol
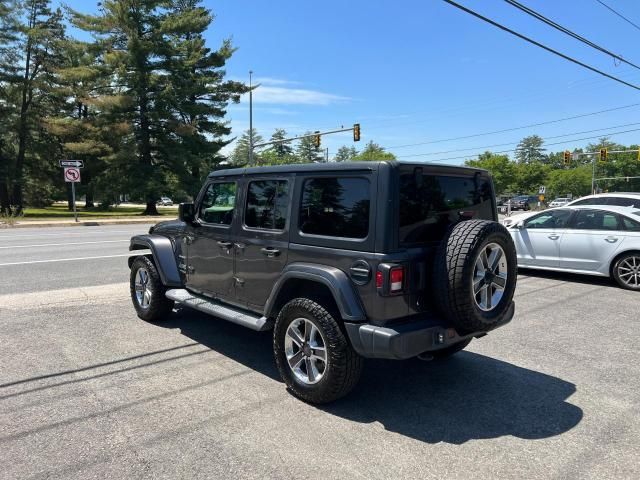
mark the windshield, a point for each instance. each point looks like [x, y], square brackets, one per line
[430, 203]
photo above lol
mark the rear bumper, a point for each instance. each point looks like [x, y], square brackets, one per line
[400, 342]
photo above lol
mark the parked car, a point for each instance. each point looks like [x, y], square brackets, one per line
[591, 240]
[523, 202]
[344, 261]
[621, 199]
[165, 201]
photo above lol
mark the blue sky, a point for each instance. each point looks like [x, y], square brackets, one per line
[422, 71]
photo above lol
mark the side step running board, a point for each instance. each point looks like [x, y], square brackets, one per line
[216, 309]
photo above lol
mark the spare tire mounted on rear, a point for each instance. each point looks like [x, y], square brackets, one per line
[474, 275]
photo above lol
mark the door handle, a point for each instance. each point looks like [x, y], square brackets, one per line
[240, 246]
[611, 239]
[270, 252]
[188, 240]
[553, 236]
[224, 244]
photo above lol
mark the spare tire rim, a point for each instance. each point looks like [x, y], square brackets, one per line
[306, 351]
[143, 292]
[489, 277]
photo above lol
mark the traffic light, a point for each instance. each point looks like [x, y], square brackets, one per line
[316, 139]
[567, 157]
[603, 154]
[356, 132]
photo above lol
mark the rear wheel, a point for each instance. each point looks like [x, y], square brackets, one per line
[312, 354]
[626, 271]
[148, 292]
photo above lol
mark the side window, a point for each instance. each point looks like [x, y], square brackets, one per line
[623, 202]
[596, 220]
[267, 202]
[218, 203]
[630, 225]
[335, 207]
[590, 201]
[551, 219]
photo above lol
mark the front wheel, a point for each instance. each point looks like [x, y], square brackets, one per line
[626, 271]
[312, 354]
[147, 291]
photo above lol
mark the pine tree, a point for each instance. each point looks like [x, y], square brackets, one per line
[240, 154]
[530, 150]
[307, 151]
[373, 151]
[169, 87]
[345, 154]
[281, 150]
[27, 75]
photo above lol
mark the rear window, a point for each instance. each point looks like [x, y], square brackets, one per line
[335, 207]
[267, 202]
[429, 204]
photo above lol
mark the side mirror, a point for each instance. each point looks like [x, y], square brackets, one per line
[519, 225]
[187, 212]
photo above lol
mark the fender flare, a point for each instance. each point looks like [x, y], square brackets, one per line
[333, 278]
[163, 255]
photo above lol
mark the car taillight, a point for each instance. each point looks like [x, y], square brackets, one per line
[396, 276]
[379, 279]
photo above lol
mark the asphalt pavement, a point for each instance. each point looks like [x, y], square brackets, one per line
[87, 390]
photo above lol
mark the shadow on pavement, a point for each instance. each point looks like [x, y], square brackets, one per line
[566, 277]
[466, 397]
[469, 396]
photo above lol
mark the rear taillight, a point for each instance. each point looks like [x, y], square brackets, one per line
[396, 277]
[379, 279]
[390, 279]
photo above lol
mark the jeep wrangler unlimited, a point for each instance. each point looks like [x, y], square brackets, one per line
[343, 260]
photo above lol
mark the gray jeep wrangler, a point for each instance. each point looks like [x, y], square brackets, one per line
[344, 261]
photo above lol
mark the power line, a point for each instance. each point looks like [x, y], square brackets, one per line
[610, 134]
[513, 129]
[538, 44]
[618, 14]
[515, 143]
[566, 31]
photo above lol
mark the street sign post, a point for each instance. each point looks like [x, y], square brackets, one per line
[71, 163]
[72, 175]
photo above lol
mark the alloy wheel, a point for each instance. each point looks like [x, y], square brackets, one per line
[489, 277]
[629, 271]
[143, 292]
[306, 352]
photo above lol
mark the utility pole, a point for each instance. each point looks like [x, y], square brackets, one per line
[250, 119]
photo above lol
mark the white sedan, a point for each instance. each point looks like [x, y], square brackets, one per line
[592, 240]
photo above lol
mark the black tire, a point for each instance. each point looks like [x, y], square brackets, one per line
[451, 350]
[158, 306]
[454, 271]
[526, 207]
[343, 365]
[622, 271]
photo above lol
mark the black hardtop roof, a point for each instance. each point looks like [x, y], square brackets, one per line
[331, 167]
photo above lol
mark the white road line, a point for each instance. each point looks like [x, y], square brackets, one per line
[130, 254]
[63, 244]
[63, 234]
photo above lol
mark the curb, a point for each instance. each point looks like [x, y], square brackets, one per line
[84, 223]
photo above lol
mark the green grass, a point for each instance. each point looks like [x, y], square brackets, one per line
[60, 212]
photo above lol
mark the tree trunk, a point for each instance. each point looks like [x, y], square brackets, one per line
[69, 197]
[89, 198]
[151, 208]
[5, 205]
